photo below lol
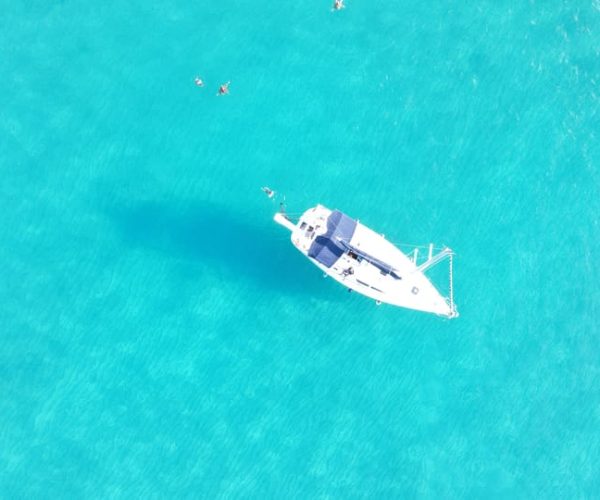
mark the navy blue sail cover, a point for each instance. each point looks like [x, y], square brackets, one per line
[327, 248]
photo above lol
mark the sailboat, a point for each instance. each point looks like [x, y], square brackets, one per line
[366, 262]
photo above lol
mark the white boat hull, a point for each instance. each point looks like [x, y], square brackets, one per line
[364, 262]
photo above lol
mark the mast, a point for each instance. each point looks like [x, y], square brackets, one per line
[379, 264]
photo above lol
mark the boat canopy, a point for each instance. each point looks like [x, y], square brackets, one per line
[328, 248]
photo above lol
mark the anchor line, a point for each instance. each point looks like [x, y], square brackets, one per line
[408, 245]
[451, 287]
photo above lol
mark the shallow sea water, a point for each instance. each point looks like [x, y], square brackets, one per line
[161, 337]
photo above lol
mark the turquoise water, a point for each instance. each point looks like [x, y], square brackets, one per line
[160, 336]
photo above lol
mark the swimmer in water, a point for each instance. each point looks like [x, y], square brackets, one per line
[269, 192]
[338, 4]
[198, 81]
[224, 89]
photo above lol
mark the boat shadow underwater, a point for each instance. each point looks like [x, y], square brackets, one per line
[216, 236]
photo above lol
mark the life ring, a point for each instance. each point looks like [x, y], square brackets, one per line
[415, 290]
